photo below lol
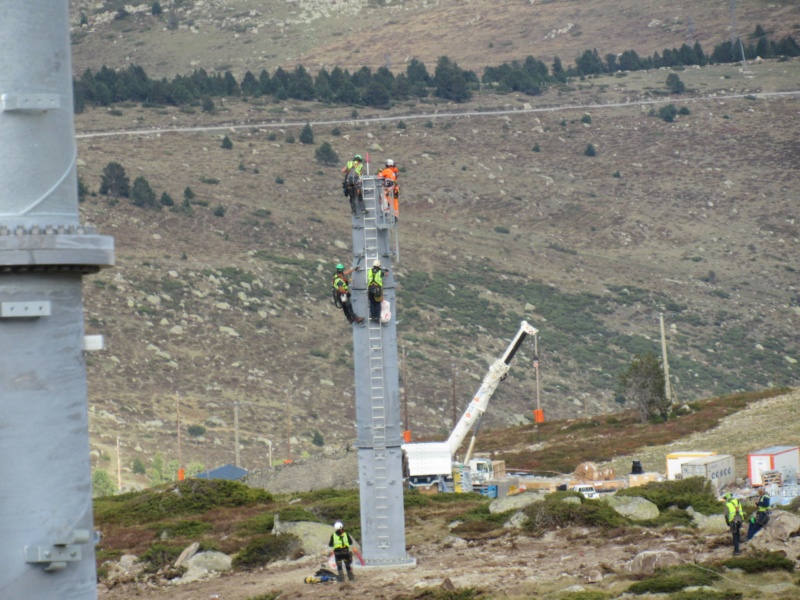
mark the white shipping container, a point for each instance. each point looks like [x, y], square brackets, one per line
[676, 459]
[719, 470]
[774, 458]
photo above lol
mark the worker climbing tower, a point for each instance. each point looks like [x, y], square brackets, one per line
[46, 507]
[379, 428]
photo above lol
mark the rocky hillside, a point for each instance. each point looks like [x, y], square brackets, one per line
[227, 302]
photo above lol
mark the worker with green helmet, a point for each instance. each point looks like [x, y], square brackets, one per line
[341, 293]
[351, 186]
[734, 519]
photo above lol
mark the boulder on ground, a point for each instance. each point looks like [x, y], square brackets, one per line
[633, 507]
[517, 501]
[645, 563]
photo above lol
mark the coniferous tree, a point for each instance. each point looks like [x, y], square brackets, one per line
[115, 182]
[307, 134]
[326, 155]
[451, 81]
[102, 484]
[674, 84]
[227, 144]
[142, 194]
[643, 383]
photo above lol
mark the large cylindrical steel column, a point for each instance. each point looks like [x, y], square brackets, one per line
[47, 548]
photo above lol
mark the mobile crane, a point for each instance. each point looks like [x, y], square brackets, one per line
[430, 463]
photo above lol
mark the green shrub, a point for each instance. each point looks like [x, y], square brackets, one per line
[188, 529]
[584, 595]
[413, 498]
[586, 118]
[261, 524]
[297, 513]
[674, 579]
[696, 492]
[590, 150]
[554, 513]
[537, 147]
[401, 124]
[227, 144]
[192, 496]
[289, 139]
[442, 594]
[279, 180]
[209, 180]
[160, 555]
[705, 594]
[501, 229]
[219, 211]
[266, 549]
[196, 430]
[668, 113]
[760, 562]
[336, 131]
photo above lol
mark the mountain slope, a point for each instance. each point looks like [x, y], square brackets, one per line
[696, 219]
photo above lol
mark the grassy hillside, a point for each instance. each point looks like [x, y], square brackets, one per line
[695, 219]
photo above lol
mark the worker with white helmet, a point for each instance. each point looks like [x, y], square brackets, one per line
[342, 542]
[375, 290]
[391, 188]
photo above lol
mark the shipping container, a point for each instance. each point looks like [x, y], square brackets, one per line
[774, 458]
[718, 469]
[676, 459]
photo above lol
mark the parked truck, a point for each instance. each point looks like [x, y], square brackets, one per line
[431, 466]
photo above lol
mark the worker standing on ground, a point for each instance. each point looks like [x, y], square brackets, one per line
[341, 293]
[351, 185]
[733, 517]
[341, 542]
[760, 518]
[375, 290]
[391, 188]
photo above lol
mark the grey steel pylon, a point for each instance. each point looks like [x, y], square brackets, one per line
[379, 430]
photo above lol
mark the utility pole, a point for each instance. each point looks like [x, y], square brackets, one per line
[539, 415]
[119, 468]
[178, 420]
[455, 410]
[667, 390]
[406, 428]
[236, 433]
[536, 368]
[288, 429]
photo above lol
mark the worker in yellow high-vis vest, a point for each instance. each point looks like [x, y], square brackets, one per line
[341, 542]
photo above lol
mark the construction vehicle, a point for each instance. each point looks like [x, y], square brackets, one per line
[431, 466]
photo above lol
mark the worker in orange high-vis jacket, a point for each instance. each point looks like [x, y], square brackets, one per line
[391, 187]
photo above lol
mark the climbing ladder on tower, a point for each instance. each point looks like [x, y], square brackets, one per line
[375, 219]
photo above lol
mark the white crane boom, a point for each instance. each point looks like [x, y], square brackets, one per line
[481, 399]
